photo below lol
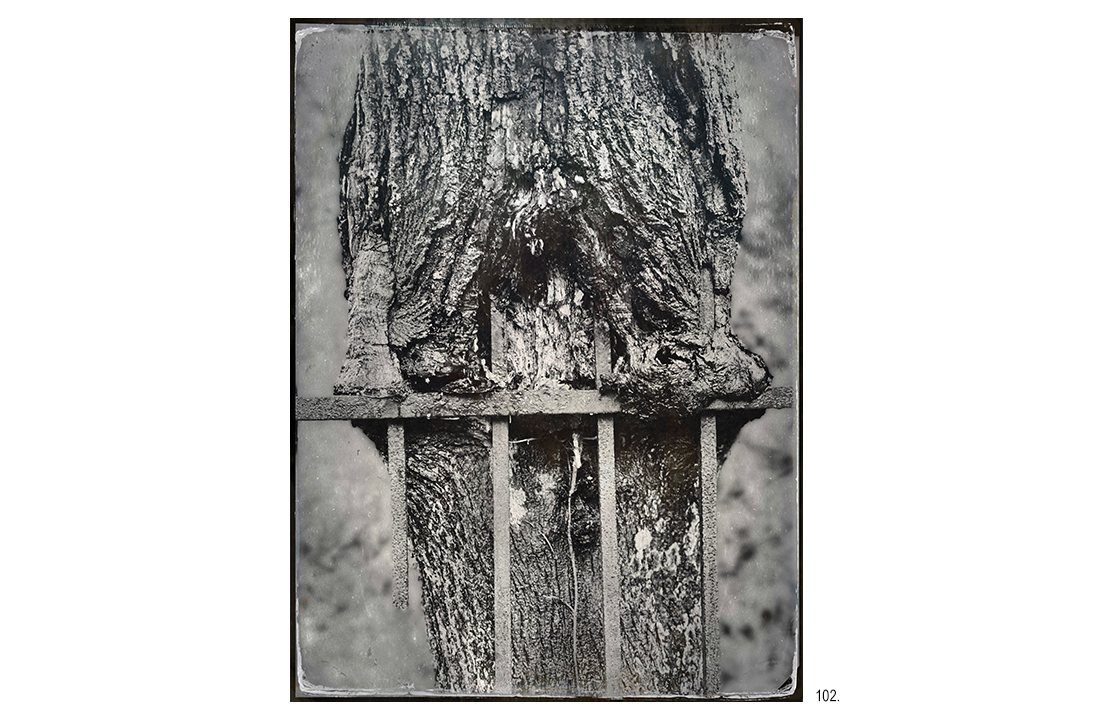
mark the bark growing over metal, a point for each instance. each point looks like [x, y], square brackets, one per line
[562, 176]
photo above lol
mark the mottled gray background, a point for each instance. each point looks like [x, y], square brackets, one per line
[351, 636]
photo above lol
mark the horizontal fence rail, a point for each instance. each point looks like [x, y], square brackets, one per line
[499, 403]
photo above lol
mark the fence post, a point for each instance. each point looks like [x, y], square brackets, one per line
[396, 468]
[708, 473]
[609, 541]
[499, 470]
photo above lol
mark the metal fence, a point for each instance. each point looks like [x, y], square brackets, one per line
[499, 407]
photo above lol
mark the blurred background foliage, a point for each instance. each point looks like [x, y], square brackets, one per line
[350, 634]
[757, 515]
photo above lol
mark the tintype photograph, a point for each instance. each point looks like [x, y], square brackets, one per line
[546, 364]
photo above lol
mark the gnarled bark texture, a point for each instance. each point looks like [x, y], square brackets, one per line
[558, 177]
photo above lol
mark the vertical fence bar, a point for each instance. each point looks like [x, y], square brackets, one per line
[708, 461]
[708, 471]
[499, 470]
[609, 551]
[503, 641]
[609, 542]
[396, 467]
[603, 351]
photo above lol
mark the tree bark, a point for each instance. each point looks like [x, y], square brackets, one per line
[559, 177]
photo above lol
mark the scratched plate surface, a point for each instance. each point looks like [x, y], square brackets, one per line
[351, 636]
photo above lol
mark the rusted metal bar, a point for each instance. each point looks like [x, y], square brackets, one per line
[609, 541]
[708, 463]
[708, 483]
[396, 467]
[609, 552]
[775, 398]
[503, 641]
[499, 403]
[499, 470]
[706, 300]
[603, 351]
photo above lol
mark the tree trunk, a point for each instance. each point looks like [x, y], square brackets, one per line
[560, 178]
